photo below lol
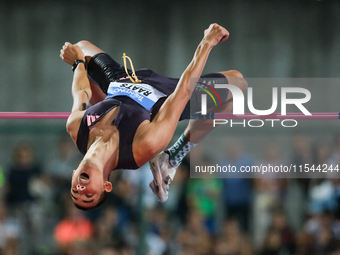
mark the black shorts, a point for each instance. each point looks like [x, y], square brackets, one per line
[102, 70]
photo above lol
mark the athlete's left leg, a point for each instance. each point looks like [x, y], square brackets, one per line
[101, 70]
[198, 129]
[169, 160]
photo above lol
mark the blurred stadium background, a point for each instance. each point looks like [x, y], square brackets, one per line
[268, 39]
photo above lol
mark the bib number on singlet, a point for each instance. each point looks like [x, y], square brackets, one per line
[143, 94]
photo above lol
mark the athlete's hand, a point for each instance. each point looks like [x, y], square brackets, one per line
[215, 34]
[70, 53]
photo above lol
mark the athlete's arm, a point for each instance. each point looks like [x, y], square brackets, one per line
[81, 89]
[212, 36]
[160, 131]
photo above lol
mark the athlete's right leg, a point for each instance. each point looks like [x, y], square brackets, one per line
[168, 161]
[199, 129]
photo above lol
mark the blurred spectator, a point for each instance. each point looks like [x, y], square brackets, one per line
[320, 153]
[159, 234]
[60, 168]
[24, 178]
[232, 241]
[178, 205]
[9, 233]
[304, 244]
[320, 159]
[75, 228]
[301, 149]
[108, 250]
[268, 195]
[321, 192]
[22, 171]
[280, 224]
[203, 193]
[118, 249]
[124, 196]
[237, 192]
[335, 155]
[334, 162]
[322, 196]
[336, 184]
[156, 245]
[326, 232]
[273, 244]
[138, 182]
[107, 231]
[301, 155]
[194, 237]
[80, 248]
[124, 249]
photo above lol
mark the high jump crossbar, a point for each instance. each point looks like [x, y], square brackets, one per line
[34, 115]
[65, 115]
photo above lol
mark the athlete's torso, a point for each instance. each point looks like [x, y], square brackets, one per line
[128, 118]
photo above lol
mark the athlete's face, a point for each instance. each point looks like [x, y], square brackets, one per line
[87, 186]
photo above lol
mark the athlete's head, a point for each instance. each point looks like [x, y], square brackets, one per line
[89, 187]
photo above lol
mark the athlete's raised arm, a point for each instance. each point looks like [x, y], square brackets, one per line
[156, 136]
[178, 100]
[213, 35]
[81, 90]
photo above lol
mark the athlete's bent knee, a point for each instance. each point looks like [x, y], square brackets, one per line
[240, 81]
[235, 74]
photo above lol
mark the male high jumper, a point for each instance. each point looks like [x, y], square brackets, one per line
[134, 116]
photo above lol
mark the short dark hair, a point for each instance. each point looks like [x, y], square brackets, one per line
[102, 199]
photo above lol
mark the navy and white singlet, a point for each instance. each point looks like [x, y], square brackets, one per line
[103, 70]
